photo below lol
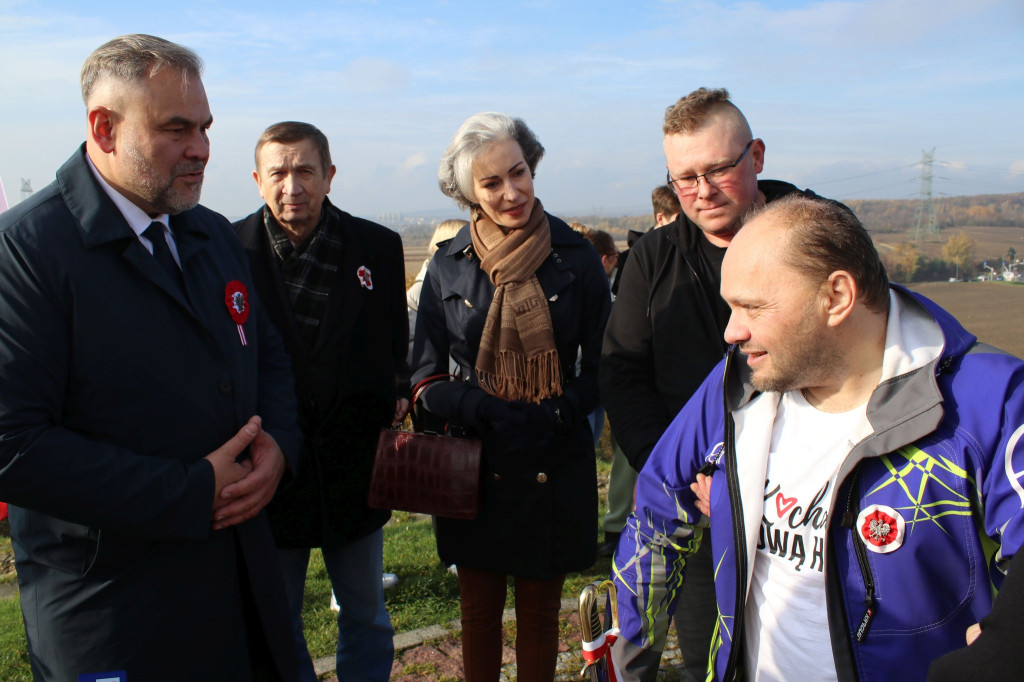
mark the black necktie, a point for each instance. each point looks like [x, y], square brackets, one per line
[162, 253]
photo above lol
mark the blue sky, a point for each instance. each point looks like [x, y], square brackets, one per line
[846, 94]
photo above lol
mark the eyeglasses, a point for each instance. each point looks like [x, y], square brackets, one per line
[688, 185]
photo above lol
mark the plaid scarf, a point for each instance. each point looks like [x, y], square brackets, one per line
[307, 269]
[517, 358]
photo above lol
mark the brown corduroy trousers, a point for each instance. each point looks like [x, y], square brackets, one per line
[537, 603]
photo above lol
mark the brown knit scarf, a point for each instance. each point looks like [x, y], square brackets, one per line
[517, 359]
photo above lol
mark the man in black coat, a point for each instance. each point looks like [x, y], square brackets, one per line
[666, 329]
[129, 389]
[335, 287]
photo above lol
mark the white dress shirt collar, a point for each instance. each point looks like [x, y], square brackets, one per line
[137, 219]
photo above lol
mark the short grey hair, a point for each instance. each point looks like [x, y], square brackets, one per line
[130, 57]
[455, 174]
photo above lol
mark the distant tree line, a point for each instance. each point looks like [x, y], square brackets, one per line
[896, 215]
[906, 264]
[878, 215]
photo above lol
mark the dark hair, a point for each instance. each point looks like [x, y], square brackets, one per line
[602, 241]
[665, 201]
[295, 131]
[130, 57]
[825, 236]
[689, 112]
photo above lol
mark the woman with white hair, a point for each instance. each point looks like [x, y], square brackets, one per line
[513, 298]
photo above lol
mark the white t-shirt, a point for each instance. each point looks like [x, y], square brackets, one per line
[786, 621]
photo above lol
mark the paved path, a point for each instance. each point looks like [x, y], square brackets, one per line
[434, 654]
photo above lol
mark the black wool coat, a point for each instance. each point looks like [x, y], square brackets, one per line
[115, 387]
[539, 516]
[347, 384]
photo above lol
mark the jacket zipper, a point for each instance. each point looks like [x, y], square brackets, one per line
[850, 521]
[738, 532]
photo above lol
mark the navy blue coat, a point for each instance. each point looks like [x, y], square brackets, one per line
[347, 383]
[114, 389]
[539, 516]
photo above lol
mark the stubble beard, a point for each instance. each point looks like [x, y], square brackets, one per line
[812, 361]
[159, 192]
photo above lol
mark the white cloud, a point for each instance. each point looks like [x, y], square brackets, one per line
[1017, 167]
[415, 160]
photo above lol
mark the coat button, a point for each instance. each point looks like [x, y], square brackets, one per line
[542, 477]
[225, 387]
[553, 298]
[468, 303]
[496, 477]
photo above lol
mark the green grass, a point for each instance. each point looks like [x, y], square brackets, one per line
[426, 593]
[13, 648]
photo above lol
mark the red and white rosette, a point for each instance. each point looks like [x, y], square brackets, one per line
[236, 298]
[365, 277]
[881, 528]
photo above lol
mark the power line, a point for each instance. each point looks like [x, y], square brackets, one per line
[962, 166]
[863, 175]
[853, 195]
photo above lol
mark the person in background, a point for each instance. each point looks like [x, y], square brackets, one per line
[665, 332]
[866, 450]
[605, 247]
[513, 298]
[443, 232]
[665, 205]
[622, 481]
[135, 355]
[335, 287]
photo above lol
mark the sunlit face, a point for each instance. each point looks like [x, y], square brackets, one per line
[778, 316]
[160, 142]
[292, 180]
[717, 207]
[503, 184]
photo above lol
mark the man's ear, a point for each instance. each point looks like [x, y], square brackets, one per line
[330, 177]
[757, 154]
[103, 128]
[841, 294]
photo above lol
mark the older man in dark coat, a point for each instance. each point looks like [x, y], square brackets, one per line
[335, 287]
[134, 360]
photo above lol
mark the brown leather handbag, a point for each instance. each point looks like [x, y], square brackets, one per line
[426, 473]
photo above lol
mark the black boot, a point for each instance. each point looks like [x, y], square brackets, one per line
[607, 548]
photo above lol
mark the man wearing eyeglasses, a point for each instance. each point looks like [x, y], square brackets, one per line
[666, 330]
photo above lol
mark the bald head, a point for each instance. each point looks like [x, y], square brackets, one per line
[809, 301]
[817, 237]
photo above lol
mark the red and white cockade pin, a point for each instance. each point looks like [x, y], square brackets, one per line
[236, 298]
[881, 528]
[363, 273]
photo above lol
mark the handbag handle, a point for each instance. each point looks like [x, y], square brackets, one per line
[422, 384]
